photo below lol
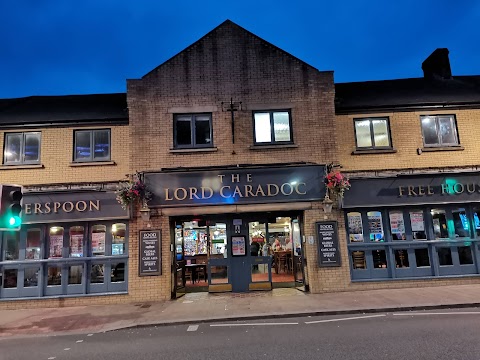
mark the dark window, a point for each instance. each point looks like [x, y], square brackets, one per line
[401, 259]
[439, 130]
[22, 148]
[445, 256]
[372, 133]
[193, 131]
[422, 258]
[92, 145]
[272, 127]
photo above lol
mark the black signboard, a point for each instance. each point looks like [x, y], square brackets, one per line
[328, 247]
[150, 256]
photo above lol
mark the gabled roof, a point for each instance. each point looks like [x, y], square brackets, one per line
[407, 94]
[228, 23]
[63, 110]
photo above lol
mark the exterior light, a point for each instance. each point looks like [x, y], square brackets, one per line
[327, 204]
[145, 212]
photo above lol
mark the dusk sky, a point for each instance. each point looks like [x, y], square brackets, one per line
[60, 47]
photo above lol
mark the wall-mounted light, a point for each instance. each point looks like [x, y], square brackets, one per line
[327, 204]
[145, 212]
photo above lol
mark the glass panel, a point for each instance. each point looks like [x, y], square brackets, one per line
[12, 241]
[260, 273]
[296, 238]
[263, 130]
[358, 260]
[75, 273]
[101, 141]
[422, 258]
[446, 126]
[476, 221]
[98, 240]
[32, 147]
[362, 131]
[97, 274]
[54, 276]
[375, 226]
[379, 259]
[218, 240]
[32, 251]
[219, 274]
[279, 234]
[380, 133]
[179, 242]
[461, 223]
[202, 130]
[30, 278]
[117, 272]
[397, 225]
[83, 150]
[401, 259]
[465, 255]
[429, 129]
[184, 131]
[418, 225]
[10, 278]
[118, 238]
[13, 148]
[55, 242]
[257, 235]
[355, 226]
[445, 256]
[440, 228]
[195, 239]
[76, 241]
[281, 126]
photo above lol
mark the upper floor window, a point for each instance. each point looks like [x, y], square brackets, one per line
[372, 133]
[440, 130]
[273, 127]
[22, 148]
[193, 131]
[92, 145]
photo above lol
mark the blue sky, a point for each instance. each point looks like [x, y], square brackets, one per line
[57, 47]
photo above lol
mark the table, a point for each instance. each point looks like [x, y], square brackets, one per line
[194, 267]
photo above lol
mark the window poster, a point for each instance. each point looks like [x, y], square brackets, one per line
[76, 245]
[98, 243]
[416, 220]
[238, 245]
[397, 225]
[375, 226]
[56, 246]
[355, 227]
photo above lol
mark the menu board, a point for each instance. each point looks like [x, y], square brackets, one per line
[327, 244]
[238, 246]
[150, 262]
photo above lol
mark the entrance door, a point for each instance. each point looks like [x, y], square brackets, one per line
[178, 265]
[219, 257]
[298, 256]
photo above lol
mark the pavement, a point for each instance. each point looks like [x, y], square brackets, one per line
[194, 308]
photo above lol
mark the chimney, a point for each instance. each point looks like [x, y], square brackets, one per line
[437, 65]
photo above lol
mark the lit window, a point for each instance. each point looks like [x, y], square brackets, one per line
[372, 133]
[439, 130]
[272, 127]
[22, 148]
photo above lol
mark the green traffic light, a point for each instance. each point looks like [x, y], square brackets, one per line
[15, 221]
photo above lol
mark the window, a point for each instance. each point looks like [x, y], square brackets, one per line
[372, 133]
[22, 148]
[92, 145]
[439, 130]
[272, 127]
[193, 131]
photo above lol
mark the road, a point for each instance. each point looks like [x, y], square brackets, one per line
[441, 334]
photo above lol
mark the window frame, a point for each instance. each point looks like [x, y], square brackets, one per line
[193, 144]
[22, 148]
[92, 145]
[440, 144]
[372, 134]
[272, 130]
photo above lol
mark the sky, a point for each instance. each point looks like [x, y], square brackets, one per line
[63, 47]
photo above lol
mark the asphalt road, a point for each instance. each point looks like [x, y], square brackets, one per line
[442, 334]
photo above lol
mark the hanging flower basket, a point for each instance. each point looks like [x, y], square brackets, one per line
[337, 184]
[133, 191]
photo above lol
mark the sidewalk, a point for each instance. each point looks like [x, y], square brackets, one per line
[198, 307]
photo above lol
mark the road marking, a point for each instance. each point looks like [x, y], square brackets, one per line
[90, 335]
[188, 302]
[444, 313]
[192, 328]
[79, 341]
[66, 349]
[51, 358]
[343, 319]
[255, 324]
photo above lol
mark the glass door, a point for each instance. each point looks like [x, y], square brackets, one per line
[298, 254]
[178, 273]
[218, 258]
[260, 257]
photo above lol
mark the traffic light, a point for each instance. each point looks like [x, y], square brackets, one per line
[10, 207]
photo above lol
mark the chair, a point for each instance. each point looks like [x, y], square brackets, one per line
[359, 260]
[188, 276]
[283, 262]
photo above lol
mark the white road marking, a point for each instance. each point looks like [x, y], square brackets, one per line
[51, 358]
[187, 302]
[254, 324]
[90, 335]
[444, 313]
[192, 328]
[79, 341]
[343, 319]
[66, 349]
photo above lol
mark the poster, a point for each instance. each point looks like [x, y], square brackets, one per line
[355, 227]
[56, 246]
[238, 245]
[416, 220]
[76, 245]
[375, 226]
[98, 243]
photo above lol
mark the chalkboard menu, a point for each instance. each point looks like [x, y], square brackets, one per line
[328, 247]
[150, 262]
